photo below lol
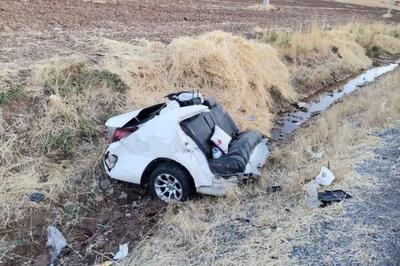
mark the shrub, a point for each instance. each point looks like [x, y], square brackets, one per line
[14, 93]
[78, 77]
[60, 141]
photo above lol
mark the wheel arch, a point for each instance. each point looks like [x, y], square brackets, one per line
[155, 163]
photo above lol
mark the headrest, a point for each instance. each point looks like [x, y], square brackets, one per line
[211, 102]
[193, 101]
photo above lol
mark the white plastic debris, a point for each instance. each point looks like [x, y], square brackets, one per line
[312, 188]
[317, 155]
[122, 252]
[55, 242]
[325, 178]
[54, 99]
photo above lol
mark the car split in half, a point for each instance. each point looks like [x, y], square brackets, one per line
[186, 145]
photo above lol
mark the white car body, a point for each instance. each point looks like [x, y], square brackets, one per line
[162, 138]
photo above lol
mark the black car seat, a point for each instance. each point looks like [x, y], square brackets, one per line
[201, 127]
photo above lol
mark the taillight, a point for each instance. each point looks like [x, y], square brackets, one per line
[119, 133]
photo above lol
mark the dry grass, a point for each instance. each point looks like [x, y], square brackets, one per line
[261, 7]
[52, 137]
[372, 3]
[246, 76]
[215, 231]
[378, 39]
[52, 128]
[317, 57]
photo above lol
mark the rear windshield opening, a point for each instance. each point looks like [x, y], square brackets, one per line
[145, 115]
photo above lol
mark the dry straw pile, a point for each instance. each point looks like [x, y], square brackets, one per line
[246, 76]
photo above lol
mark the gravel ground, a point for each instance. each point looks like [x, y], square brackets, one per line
[368, 228]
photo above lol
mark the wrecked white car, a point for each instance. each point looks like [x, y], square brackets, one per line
[183, 146]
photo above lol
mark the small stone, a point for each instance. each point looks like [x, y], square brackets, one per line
[250, 118]
[123, 195]
[43, 178]
[54, 100]
[57, 29]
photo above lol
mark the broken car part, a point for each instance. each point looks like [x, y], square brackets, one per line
[55, 243]
[328, 197]
[176, 137]
[324, 178]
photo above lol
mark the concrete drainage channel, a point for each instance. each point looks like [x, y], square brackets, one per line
[306, 110]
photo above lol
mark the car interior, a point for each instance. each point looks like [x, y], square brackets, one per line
[201, 127]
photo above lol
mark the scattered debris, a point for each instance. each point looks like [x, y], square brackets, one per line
[324, 178]
[55, 243]
[312, 188]
[274, 189]
[327, 197]
[122, 252]
[37, 197]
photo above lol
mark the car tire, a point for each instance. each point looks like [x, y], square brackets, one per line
[170, 182]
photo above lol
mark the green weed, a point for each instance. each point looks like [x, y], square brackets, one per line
[16, 92]
[77, 78]
[373, 51]
[60, 141]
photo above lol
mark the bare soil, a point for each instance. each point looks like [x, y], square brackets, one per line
[38, 29]
[94, 228]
